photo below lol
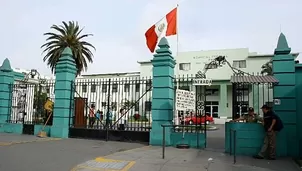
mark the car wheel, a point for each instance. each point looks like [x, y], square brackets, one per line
[208, 122]
[191, 122]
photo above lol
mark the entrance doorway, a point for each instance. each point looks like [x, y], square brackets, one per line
[211, 108]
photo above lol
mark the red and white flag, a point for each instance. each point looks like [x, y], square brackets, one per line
[167, 26]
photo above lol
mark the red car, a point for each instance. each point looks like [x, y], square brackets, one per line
[197, 120]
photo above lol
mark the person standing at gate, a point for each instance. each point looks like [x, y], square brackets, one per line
[272, 124]
[109, 118]
[122, 120]
[91, 115]
[251, 117]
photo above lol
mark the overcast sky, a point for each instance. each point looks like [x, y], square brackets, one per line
[119, 26]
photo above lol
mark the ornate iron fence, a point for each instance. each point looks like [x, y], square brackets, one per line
[28, 99]
[106, 97]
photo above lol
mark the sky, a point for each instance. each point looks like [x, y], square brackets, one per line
[118, 28]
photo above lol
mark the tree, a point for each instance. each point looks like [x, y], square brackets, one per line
[267, 68]
[39, 100]
[67, 35]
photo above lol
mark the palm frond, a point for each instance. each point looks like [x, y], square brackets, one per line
[67, 35]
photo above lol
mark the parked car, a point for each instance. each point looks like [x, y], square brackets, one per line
[197, 120]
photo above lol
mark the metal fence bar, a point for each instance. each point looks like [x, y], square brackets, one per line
[231, 142]
[235, 144]
[233, 138]
[164, 142]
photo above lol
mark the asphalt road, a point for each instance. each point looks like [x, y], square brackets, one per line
[53, 155]
[216, 139]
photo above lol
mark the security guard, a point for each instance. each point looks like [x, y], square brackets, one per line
[251, 117]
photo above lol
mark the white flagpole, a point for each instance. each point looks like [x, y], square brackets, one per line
[177, 30]
[177, 38]
[176, 118]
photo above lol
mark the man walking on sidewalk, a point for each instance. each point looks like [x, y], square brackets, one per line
[272, 124]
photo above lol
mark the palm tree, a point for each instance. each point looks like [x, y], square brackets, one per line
[67, 35]
[267, 68]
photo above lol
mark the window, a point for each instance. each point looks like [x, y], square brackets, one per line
[84, 88]
[212, 92]
[242, 92]
[114, 87]
[127, 87]
[113, 106]
[148, 106]
[104, 88]
[137, 87]
[239, 64]
[185, 66]
[136, 107]
[93, 88]
[213, 103]
[215, 111]
[148, 85]
[104, 104]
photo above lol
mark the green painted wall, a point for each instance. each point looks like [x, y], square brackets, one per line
[11, 128]
[18, 75]
[6, 81]
[284, 71]
[249, 139]
[38, 128]
[162, 93]
[64, 94]
[299, 106]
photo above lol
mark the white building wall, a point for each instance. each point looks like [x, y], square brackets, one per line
[198, 60]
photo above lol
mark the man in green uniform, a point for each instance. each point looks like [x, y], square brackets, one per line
[251, 117]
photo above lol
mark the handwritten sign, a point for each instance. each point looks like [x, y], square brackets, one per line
[185, 100]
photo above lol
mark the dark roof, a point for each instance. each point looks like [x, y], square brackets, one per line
[254, 79]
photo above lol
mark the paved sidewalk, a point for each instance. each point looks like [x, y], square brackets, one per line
[150, 159]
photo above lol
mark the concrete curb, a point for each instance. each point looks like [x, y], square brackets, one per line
[31, 141]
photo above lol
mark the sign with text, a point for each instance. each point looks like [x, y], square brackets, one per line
[202, 81]
[185, 100]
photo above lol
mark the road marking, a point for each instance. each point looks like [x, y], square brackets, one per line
[23, 142]
[104, 163]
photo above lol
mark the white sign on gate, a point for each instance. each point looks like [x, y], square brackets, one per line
[185, 100]
[202, 81]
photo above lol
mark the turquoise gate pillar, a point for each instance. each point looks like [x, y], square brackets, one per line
[6, 82]
[65, 76]
[162, 93]
[284, 92]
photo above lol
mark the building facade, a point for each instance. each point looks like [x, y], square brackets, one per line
[219, 94]
[133, 89]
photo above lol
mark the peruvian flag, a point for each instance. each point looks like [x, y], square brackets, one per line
[165, 27]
